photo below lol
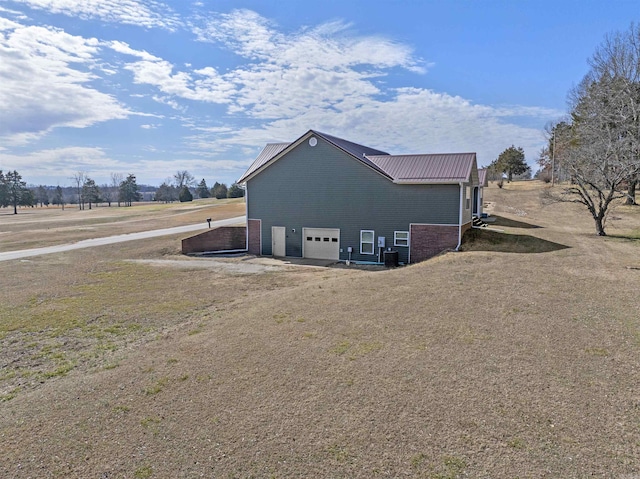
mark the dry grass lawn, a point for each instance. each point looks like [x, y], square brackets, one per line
[39, 227]
[518, 357]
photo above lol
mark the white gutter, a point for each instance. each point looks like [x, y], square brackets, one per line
[460, 219]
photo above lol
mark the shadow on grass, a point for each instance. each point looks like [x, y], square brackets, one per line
[501, 221]
[487, 240]
[634, 236]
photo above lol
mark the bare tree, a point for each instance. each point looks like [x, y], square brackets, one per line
[79, 178]
[604, 136]
[58, 197]
[618, 57]
[107, 194]
[116, 181]
[183, 178]
[42, 196]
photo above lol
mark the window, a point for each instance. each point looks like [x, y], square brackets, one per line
[401, 238]
[366, 242]
[468, 197]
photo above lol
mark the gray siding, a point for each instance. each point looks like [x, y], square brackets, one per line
[323, 187]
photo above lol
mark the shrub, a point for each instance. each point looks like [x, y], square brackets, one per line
[185, 195]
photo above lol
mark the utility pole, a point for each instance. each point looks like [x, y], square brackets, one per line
[553, 160]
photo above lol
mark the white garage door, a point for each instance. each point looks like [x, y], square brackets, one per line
[321, 243]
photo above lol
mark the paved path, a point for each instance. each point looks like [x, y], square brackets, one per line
[25, 253]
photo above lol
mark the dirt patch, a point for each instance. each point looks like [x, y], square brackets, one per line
[227, 266]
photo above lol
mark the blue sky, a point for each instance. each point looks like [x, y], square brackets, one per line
[151, 87]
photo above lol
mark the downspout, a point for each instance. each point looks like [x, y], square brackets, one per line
[246, 213]
[460, 218]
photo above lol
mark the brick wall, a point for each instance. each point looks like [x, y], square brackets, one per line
[430, 240]
[225, 238]
[254, 237]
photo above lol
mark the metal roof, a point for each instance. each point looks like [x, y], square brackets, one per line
[268, 152]
[482, 177]
[436, 168]
[354, 148]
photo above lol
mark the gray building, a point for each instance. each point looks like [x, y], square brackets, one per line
[328, 198]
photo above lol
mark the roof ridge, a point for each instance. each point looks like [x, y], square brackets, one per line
[332, 139]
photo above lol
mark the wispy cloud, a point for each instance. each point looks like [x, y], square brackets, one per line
[329, 78]
[144, 13]
[318, 67]
[204, 84]
[45, 74]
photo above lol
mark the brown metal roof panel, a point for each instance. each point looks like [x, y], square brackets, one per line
[354, 148]
[482, 177]
[446, 167]
[268, 152]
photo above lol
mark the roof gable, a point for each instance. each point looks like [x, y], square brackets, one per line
[429, 168]
[274, 151]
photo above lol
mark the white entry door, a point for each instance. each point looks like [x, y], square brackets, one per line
[321, 243]
[278, 240]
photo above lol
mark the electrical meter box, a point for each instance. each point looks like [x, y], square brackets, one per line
[380, 241]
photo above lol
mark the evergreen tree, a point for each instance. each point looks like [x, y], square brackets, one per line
[219, 190]
[4, 195]
[235, 191]
[129, 191]
[511, 161]
[203, 190]
[91, 192]
[15, 190]
[185, 194]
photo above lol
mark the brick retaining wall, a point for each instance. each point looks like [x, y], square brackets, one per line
[430, 240]
[224, 238]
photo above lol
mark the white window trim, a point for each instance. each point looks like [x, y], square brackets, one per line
[373, 241]
[468, 193]
[395, 238]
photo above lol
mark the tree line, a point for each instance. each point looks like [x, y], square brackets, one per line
[86, 193]
[182, 187]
